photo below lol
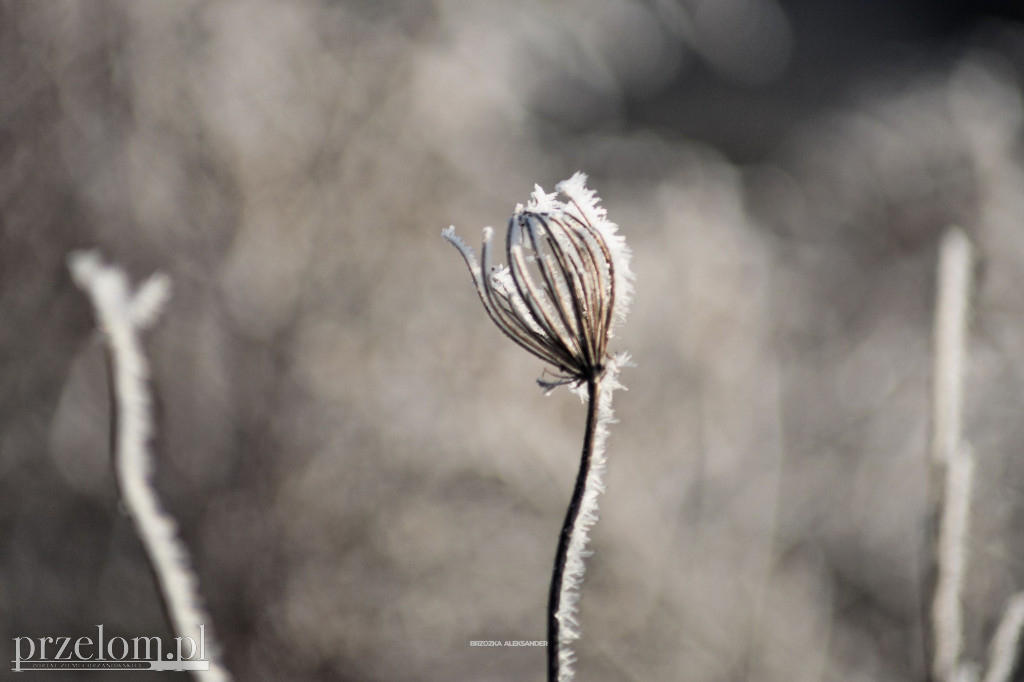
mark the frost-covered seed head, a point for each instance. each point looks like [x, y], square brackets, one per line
[567, 282]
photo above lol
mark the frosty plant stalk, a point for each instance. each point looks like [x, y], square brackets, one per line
[122, 316]
[565, 287]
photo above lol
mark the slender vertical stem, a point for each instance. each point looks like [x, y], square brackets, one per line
[569, 526]
[115, 447]
[952, 308]
[122, 315]
[952, 463]
[951, 550]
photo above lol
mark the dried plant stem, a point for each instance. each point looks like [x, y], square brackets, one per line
[947, 609]
[952, 462]
[951, 310]
[122, 315]
[567, 577]
[572, 515]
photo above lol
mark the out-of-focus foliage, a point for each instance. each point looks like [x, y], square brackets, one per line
[361, 465]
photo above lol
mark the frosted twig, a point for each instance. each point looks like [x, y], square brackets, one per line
[954, 288]
[951, 459]
[567, 578]
[121, 316]
[950, 455]
[947, 608]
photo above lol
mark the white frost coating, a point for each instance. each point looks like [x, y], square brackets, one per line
[586, 202]
[947, 613]
[949, 451]
[121, 316]
[951, 308]
[150, 299]
[950, 455]
[572, 579]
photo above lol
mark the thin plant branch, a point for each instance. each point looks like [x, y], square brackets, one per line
[122, 316]
[951, 459]
[563, 594]
[954, 528]
[567, 283]
[567, 576]
[950, 340]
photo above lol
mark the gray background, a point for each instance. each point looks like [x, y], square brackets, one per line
[362, 466]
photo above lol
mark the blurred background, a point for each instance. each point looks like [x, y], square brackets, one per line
[363, 468]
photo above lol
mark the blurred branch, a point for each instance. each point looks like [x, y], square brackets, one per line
[122, 316]
[954, 457]
[954, 286]
[1004, 655]
[950, 456]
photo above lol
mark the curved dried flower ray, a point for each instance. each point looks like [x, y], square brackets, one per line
[569, 286]
[607, 303]
[555, 297]
[576, 257]
[552, 281]
[568, 245]
[490, 300]
[527, 315]
[575, 237]
[507, 313]
[591, 290]
[586, 202]
[580, 294]
[569, 308]
[596, 290]
[568, 277]
[511, 301]
[518, 324]
[539, 303]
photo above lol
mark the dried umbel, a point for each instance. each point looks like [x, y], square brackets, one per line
[566, 285]
[567, 282]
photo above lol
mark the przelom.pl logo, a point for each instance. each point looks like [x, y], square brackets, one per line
[114, 653]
